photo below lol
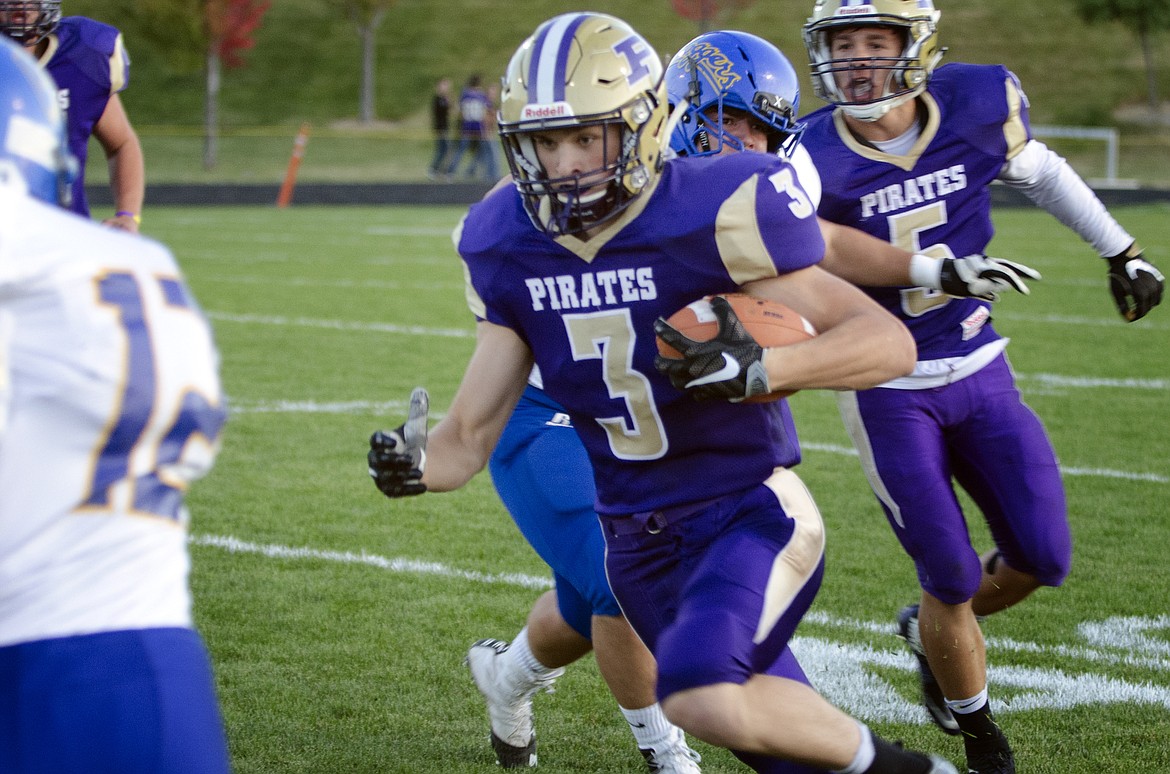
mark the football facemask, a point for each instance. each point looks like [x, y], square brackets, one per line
[899, 78]
[576, 70]
[27, 21]
[731, 70]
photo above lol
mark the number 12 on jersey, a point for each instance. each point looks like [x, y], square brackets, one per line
[170, 429]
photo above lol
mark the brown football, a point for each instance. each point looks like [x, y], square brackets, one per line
[770, 323]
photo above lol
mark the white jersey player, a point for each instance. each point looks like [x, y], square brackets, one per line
[110, 406]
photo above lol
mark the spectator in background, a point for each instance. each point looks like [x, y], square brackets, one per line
[440, 125]
[474, 106]
[490, 149]
[89, 63]
[106, 355]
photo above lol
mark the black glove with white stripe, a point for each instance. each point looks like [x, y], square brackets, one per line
[977, 276]
[730, 366]
[398, 457]
[1136, 284]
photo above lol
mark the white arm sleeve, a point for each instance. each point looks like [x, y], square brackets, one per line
[806, 173]
[1049, 181]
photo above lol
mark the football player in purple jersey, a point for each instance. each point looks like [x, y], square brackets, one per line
[714, 548]
[475, 106]
[907, 151]
[743, 94]
[90, 65]
[540, 470]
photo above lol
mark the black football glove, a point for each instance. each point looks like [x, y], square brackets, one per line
[398, 457]
[983, 277]
[1136, 284]
[729, 366]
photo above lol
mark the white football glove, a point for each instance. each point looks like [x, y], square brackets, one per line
[977, 276]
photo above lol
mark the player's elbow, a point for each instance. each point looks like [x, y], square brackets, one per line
[909, 350]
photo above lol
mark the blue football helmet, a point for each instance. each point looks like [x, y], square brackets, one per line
[33, 148]
[737, 70]
[27, 21]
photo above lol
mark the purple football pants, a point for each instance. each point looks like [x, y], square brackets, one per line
[979, 432]
[716, 589]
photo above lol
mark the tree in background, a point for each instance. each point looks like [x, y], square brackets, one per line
[1144, 18]
[367, 16]
[230, 26]
[195, 33]
[707, 12]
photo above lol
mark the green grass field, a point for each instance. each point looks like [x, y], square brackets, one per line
[337, 620]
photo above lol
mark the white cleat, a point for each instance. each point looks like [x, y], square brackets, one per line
[942, 766]
[509, 702]
[673, 756]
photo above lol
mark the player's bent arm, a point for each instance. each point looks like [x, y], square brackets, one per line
[1049, 181]
[460, 445]
[859, 344]
[126, 163]
[863, 259]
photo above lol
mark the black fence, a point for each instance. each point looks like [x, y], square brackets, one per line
[163, 194]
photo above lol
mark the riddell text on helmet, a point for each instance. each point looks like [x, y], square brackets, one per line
[552, 110]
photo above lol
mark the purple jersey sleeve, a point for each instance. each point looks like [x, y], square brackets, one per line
[587, 311]
[935, 200]
[89, 64]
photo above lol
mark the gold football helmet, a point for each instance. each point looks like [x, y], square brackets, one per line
[907, 75]
[581, 69]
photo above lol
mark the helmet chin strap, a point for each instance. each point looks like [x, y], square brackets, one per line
[875, 110]
[586, 209]
[588, 198]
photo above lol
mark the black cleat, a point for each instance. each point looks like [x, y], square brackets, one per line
[1000, 761]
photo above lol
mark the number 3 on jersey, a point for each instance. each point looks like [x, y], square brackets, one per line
[145, 421]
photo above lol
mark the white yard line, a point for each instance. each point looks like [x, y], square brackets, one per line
[340, 325]
[393, 564]
[242, 406]
[1114, 641]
